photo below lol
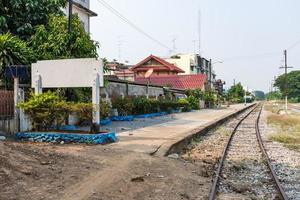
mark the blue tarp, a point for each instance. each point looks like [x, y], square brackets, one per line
[122, 118]
[106, 121]
[55, 137]
[20, 71]
[68, 128]
[150, 115]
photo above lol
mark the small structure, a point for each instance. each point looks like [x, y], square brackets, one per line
[184, 82]
[160, 67]
[70, 73]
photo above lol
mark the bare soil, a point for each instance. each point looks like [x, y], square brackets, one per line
[34, 171]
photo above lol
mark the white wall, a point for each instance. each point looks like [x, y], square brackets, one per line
[83, 16]
[184, 62]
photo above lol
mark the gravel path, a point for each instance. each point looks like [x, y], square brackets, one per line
[245, 171]
[286, 162]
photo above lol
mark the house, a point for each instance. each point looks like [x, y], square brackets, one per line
[160, 67]
[187, 62]
[82, 8]
[194, 64]
[120, 70]
[184, 82]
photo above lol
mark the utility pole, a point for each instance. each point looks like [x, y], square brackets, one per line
[285, 79]
[70, 15]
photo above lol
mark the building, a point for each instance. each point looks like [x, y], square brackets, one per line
[120, 70]
[183, 82]
[219, 86]
[194, 64]
[187, 62]
[160, 67]
[82, 8]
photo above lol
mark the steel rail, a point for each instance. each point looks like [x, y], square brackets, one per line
[262, 148]
[214, 188]
[294, 107]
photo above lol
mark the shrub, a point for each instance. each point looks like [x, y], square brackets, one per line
[49, 109]
[104, 109]
[168, 106]
[185, 105]
[84, 111]
[45, 110]
[124, 106]
[196, 93]
[193, 102]
[210, 97]
[142, 105]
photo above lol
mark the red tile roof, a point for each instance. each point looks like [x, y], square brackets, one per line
[192, 81]
[164, 63]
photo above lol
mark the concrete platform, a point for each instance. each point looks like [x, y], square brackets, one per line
[159, 137]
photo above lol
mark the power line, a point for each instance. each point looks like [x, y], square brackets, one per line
[294, 45]
[134, 26]
[255, 56]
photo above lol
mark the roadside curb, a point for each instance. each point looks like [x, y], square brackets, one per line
[177, 145]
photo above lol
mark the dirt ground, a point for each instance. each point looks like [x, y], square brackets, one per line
[35, 171]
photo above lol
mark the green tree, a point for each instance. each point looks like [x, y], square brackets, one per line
[275, 95]
[259, 95]
[293, 80]
[196, 93]
[55, 42]
[14, 51]
[20, 17]
[236, 93]
[210, 97]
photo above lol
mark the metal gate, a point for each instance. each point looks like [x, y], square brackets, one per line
[6, 104]
[7, 122]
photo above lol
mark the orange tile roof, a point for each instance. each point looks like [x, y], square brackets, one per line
[192, 81]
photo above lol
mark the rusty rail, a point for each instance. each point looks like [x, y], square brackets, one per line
[262, 148]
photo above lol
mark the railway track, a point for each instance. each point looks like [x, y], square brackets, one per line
[294, 107]
[245, 168]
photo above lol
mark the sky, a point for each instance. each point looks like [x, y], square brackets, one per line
[249, 36]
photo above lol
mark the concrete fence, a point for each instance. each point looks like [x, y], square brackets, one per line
[118, 88]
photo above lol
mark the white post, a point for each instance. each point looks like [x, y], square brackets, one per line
[286, 103]
[16, 101]
[38, 84]
[96, 99]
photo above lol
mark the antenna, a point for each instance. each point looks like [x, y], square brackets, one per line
[174, 44]
[119, 47]
[199, 31]
[194, 45]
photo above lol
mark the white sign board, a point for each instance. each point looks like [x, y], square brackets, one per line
[67, 73]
